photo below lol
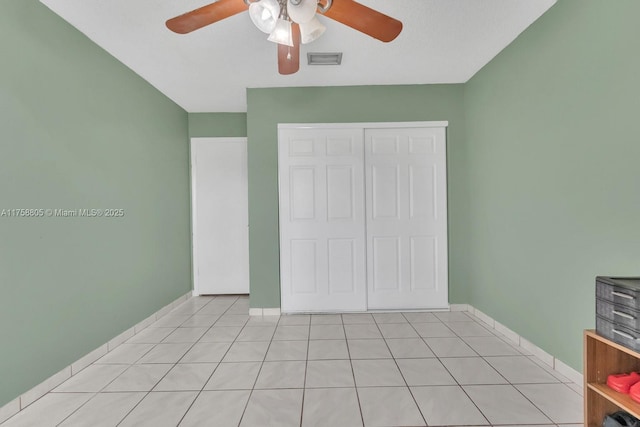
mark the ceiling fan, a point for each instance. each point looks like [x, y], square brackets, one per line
[291, 22]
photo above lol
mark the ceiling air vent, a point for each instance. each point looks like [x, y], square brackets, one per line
[324, 58]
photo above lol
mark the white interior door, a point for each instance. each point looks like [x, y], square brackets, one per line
[220, 215]
[322, 243]
[406, 210]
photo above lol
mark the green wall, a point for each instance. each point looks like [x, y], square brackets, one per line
[217, 124]
[80, 130]
[268, 107]
[554, 180]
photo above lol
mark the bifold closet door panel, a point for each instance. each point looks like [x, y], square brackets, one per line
[406, 222]
[322, 233]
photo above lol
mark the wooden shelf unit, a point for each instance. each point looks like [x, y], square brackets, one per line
[603, 357]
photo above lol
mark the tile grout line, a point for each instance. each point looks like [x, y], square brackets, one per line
[398, 366]
[449, 372]
[508, 382]
[458, 382]
[246, 406]
[149, 392]
[215, 369]
[102, 390]
[513, 386]
[178, 361]
[306, 367]
[353, 372]
[482, 357]
[254, 382]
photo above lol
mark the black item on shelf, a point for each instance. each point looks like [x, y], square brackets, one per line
[618, 310]
[620, 419]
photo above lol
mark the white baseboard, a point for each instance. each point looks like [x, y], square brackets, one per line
[459, 307]
[484, 318]
[547, 359]
[44, 387]
[568, 372]
[9, 410]
[264, 312]
[508, 333]
[27, 398]
[88, 359]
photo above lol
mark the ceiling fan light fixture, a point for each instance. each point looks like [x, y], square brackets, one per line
[311, 30]
[282, 33]
[264, 14]
[302, 11]
[272, 17]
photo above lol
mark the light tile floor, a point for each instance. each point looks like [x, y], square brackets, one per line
[207, 363]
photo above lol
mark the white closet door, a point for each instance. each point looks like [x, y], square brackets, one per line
[322, 243]
[406, 218]
[220, 215]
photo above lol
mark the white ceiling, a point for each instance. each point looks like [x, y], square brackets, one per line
[208, 70]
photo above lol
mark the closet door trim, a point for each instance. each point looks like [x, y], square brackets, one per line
[364, 125]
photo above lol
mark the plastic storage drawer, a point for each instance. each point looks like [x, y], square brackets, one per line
[617, 333]
[618, 314]
[623, 291]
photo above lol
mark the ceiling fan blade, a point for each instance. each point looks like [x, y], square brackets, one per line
[206, 15]
[289, 57]
[364, 19]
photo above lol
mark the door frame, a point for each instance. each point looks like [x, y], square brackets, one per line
[194, 197]
[363, 126]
